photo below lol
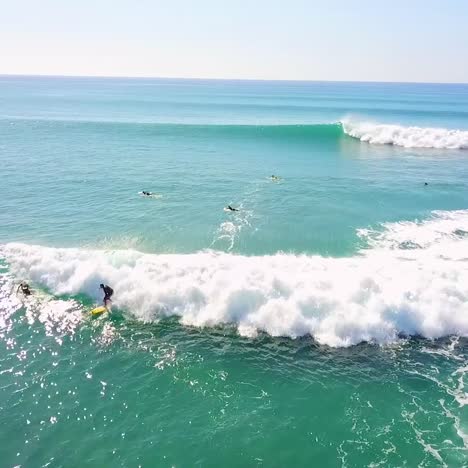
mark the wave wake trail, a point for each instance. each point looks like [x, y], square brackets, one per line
[407, 137]
[411, 279]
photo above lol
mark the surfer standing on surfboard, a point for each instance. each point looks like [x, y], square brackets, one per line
[25, 289]
[108, 292]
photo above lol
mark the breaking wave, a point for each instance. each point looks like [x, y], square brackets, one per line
[410, 279]
[408, 137]
[318, 133]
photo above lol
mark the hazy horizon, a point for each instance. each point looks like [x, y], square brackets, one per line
[333, 40]
[201, 78]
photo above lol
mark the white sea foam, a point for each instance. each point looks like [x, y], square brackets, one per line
[59, 317]
[438, 235]
[408, 137]
[412, 278]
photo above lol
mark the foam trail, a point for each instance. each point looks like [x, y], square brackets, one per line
[408, 137]
[386, 290]
[229, 231]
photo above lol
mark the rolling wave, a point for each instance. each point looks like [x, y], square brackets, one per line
[409, 280]
[368, 132]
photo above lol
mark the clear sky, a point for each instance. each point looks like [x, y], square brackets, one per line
[368, 40]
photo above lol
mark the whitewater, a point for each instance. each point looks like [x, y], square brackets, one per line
[411, 279]
[406, 136]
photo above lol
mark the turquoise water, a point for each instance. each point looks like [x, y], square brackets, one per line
[325, 322]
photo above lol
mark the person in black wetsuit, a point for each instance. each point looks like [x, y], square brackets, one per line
[230, 208]
[108, 292]
[24, 288]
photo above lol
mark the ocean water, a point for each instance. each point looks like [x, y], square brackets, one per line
[325, 323]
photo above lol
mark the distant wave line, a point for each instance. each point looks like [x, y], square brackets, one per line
[365, 131]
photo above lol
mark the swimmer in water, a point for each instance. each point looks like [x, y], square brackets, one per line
[230, 208]
[148, 194]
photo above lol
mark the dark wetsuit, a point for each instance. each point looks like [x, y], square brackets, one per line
[25, 289]
[108, 291]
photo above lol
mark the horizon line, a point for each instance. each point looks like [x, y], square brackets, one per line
[148, 77]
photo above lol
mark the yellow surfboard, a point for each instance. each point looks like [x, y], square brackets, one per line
[98, 310]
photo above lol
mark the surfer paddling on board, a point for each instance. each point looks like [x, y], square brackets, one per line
[230, 208]
[148, 194]
[25, 289]
[108, 292]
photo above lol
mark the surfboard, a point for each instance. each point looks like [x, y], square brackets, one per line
[98, 310]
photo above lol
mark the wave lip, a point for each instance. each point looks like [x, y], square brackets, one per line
[407, 137]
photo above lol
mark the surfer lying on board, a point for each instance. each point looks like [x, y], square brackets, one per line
[108, 292]
[24, 288]
[148, 194]
[230, 208]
